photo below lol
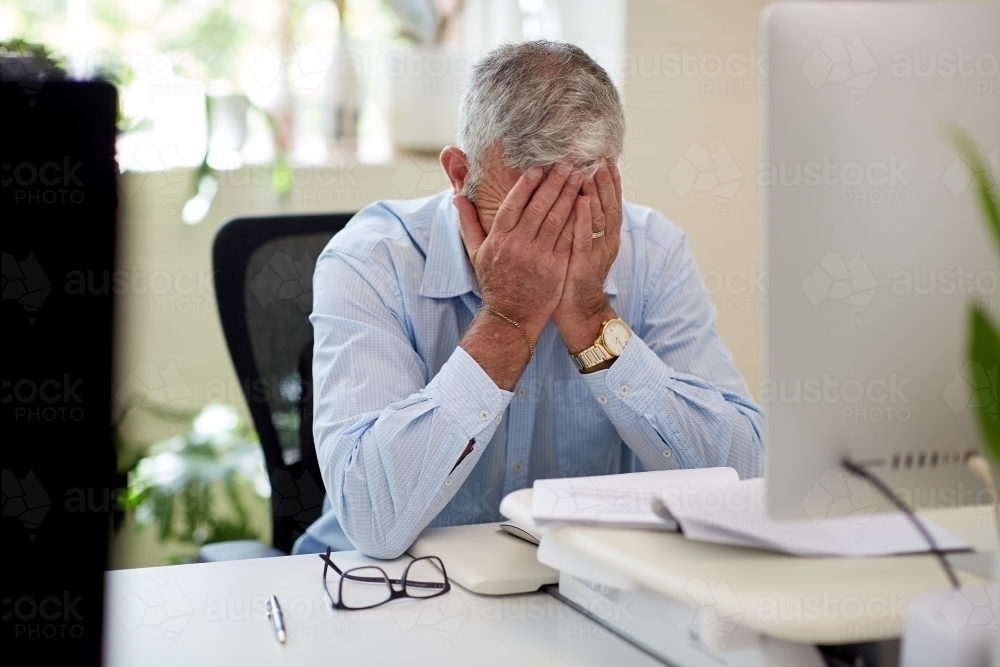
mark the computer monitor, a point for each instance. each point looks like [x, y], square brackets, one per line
[875, 248]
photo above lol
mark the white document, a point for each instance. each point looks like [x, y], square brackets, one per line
[621, 501]
[738, 516]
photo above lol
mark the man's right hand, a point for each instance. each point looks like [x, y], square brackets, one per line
[521, 264]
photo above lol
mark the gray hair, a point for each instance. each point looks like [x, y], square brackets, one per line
[542, 102]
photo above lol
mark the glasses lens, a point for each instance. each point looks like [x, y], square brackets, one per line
[425, 578]
[364, 587]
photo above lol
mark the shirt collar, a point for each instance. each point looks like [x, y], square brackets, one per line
[447, 271]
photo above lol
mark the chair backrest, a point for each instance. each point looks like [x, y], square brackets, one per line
[263, 283]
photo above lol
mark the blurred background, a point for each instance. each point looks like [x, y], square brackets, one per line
[277, 106]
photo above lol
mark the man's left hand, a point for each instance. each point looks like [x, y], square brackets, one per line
[584, 306]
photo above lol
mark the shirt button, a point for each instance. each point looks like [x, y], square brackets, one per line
[667, 454]
[485, 415]
[522, 392]
[498, 419]
[447, 482]
[624, 390]
[602, 399]
[518, 466]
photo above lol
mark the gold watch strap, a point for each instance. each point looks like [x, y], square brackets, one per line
[592, 356]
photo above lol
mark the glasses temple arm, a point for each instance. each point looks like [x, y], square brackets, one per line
[326, 559]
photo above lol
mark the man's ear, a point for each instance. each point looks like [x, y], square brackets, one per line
[456, 166]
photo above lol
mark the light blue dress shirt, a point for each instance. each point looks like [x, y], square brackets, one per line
[397, 400]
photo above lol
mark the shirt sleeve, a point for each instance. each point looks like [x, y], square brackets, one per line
[675, 395]
[387, 435]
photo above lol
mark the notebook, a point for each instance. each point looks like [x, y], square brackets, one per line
[714, 505]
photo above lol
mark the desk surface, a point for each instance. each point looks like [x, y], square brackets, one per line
[808, 600]
[213, 614]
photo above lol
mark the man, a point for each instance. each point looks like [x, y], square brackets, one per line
[446, 327]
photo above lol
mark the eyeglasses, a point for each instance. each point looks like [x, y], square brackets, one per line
[369, 586]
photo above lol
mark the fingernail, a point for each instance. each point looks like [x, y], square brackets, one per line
[535, 173]
[575, 178]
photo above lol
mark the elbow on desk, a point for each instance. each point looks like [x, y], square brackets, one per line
[386, 544]
[374, 530]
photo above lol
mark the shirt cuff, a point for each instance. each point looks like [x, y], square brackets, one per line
[468, 395]
[632, 384]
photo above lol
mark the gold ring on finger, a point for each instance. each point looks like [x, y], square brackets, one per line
[598, 235]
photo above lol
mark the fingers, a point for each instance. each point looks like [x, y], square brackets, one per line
[532, 215]
[469, 225]
[564, 244]
[616, 178]
[509, 213]
[598, 219]
[606, 190]
[583, 234]
[557, 216]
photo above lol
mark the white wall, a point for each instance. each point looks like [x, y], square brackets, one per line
[676, 103]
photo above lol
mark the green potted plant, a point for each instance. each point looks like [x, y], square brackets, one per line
[984, 334]
[207, 486]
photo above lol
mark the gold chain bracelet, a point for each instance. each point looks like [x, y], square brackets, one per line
[531, 346]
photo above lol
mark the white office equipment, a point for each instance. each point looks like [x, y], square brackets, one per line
[875, 248]
[937, 635]
[686, 630]
[485, 559]
[621, 501]
[755, 583]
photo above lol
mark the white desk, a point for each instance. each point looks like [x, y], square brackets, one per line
[213, 614]
[803, 600]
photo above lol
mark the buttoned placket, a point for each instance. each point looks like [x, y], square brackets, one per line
[517, 427]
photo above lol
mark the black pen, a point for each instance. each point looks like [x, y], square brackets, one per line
[277, 620]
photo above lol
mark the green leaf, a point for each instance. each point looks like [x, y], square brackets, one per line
[984, 357]
[985, 184]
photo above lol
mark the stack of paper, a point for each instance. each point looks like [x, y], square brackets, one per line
[621, 501]
[738, 516]
[713, 505]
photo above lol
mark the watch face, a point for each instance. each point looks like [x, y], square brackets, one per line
[616, 334]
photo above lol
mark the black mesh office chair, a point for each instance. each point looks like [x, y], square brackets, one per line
[263, 286]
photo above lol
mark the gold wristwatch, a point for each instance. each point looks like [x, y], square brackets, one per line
[609, 345]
